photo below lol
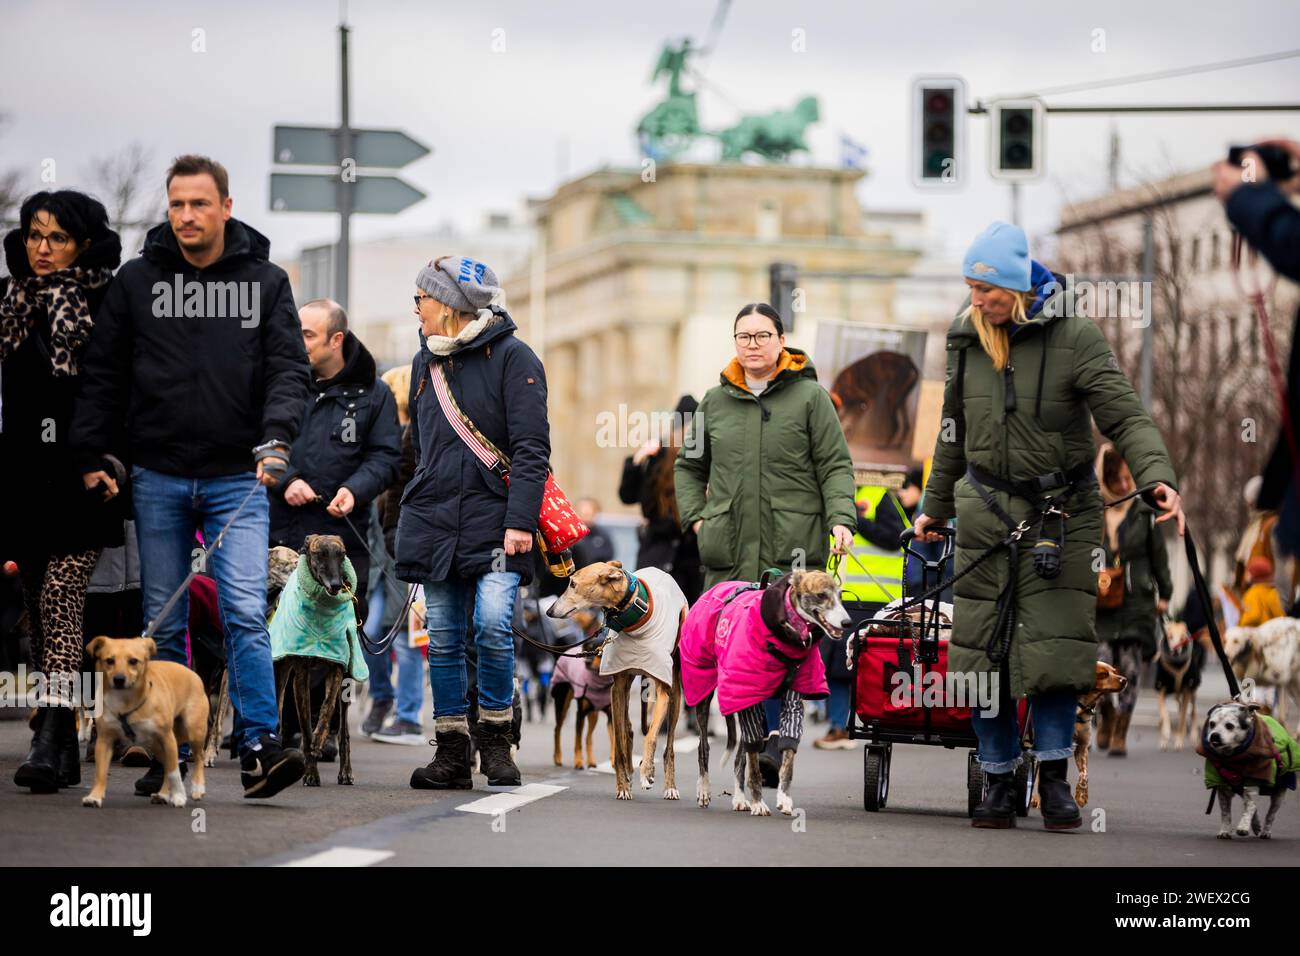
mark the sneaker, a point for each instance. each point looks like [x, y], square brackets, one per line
[379, 712]
[836, 739]
[269, 767]
[329, 750]
[400, 732]
[137, 756]
[152, 781]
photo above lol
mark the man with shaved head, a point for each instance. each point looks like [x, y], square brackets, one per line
[348, 442]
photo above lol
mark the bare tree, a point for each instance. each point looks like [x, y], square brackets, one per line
[130, 187]
[10, 188]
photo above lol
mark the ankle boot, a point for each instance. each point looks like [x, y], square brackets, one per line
[69, 774]
[1105, 721]
[1060, 812]
[449, 769]
[40, 771]
[997, 811]
[1119, 735]
[494, 757]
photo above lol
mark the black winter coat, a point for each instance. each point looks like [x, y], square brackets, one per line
[200, 382]
[47, 508]
[348, 437]
[455, 512]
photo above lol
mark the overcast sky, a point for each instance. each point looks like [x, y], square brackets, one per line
[83, 78]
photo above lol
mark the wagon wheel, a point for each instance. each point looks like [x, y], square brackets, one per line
[1026, 773]
[975, 784]
[875, 778]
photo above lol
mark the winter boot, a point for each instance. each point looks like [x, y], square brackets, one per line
[495, 762]
[1105, 723]
[69, 751]
[997, 811]
[40, 771]
[1060, 812]
[1119, 735]
[449, 769]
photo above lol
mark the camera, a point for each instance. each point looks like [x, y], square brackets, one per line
[1276, 160]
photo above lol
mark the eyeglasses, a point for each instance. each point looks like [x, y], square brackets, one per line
[58, 240]
[745, 339]
[420, 298]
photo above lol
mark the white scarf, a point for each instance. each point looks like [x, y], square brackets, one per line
[445, 345]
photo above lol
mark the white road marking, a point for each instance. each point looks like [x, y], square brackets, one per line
[505, 802]
[342, 856]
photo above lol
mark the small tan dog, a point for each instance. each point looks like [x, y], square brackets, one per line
[1109, 681]
[152, 703]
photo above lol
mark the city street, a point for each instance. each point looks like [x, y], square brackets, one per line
[1153, 807]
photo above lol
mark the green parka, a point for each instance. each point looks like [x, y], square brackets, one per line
[1064, 376]
[1146, 573]
[769, 476]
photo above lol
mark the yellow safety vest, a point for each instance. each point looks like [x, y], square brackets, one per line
[870, 573]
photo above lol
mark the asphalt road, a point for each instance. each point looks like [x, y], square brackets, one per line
[1145, 809]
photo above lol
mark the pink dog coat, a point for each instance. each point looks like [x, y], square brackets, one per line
[586, 682]
[724, 646]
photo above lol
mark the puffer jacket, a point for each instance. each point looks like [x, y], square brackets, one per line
[1063, 378]
[455, 511]
[770, 477]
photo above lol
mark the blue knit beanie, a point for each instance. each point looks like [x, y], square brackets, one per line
[999, 256]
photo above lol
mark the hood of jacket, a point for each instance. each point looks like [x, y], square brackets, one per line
[104, 252]
[242, 242]
[793, 363]
[358, 366]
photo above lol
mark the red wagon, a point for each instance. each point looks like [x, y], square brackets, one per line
[888, 706]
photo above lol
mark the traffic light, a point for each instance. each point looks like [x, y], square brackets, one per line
[938, 130]
[1016, 140]
[782, 277]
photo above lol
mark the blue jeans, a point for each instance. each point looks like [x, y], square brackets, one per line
[837, 706]
[494, 612]
[168, 511]
[410, 669]
[999, 737]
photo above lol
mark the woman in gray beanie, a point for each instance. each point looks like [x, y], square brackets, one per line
[464, 532]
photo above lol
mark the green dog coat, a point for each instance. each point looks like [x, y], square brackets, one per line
[311, 622]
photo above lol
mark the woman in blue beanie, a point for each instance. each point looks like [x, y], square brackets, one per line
[1025, 381]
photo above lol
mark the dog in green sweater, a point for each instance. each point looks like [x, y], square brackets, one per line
[1247, 753]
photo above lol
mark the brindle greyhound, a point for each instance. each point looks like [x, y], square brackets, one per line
[647, 621]
[325, 554]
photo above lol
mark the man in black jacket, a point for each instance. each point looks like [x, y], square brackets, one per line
[348, 444]
[1261, 211]
[197, 358]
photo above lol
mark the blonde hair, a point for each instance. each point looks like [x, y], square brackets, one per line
[995, 340]
[398, 380]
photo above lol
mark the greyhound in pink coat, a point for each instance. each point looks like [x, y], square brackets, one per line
[750, 644]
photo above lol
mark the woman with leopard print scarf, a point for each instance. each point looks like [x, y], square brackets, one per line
[60, 261]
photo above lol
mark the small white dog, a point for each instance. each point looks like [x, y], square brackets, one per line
[1248, 753]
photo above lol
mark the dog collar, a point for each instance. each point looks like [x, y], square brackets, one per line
[633, 611]
[126, 724]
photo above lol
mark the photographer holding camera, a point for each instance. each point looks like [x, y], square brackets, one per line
[1254, 185]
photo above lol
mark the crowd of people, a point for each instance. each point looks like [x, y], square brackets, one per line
[136, 423]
